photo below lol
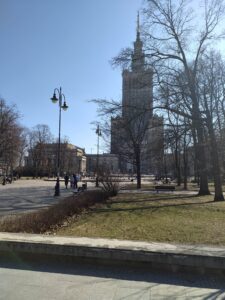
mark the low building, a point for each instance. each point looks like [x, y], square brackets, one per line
[105, 161]
[42, 160]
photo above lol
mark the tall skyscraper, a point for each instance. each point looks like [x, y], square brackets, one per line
[137, 81]
[137, 127]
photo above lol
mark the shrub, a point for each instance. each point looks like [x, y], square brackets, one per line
[45, 219]
[109, 183]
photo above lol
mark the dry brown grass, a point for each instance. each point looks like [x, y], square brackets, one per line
[154, 217]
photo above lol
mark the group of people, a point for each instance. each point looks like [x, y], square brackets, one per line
[7, 179]
[73, 180]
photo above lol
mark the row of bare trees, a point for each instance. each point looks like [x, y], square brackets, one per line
[209, 148]
[189, 87]
[18, 142]
[179, 43]
[11, 137]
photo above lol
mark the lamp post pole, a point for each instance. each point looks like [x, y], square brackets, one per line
[63, 106]
[99, 133]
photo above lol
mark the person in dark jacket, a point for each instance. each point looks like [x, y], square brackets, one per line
[75, 181]
[66, 179]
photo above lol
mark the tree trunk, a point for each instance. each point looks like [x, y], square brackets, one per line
[138, 168]
[185, 168]
[198, 126]
[204, 188]
[177, 164]
[196, 168]
[200, 151]
[215, 164]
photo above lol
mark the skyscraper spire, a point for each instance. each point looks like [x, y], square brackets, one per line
[138, 26]
[138, 58]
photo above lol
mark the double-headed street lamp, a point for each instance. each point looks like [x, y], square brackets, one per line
[62, 105]
[99, 133]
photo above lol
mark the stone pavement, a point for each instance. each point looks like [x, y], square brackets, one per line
[81, 281]
[30, 274]
[28, 195]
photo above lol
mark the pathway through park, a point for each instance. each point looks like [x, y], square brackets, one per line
[28, 195]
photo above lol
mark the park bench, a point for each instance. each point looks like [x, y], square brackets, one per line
[170, 188]
[80, 189]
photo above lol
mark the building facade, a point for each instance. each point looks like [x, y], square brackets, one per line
[106, 161]
[42, 160]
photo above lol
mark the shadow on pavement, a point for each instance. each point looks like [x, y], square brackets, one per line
[84, 267]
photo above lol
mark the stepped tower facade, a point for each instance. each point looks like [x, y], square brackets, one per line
[137, 112]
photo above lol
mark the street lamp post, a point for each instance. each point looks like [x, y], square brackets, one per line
[63, 106]
[99, 133]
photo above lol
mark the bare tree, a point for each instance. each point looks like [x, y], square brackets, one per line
[173, 41]
[210, 95]
[10, 136]
[129, 133]
[39, 137]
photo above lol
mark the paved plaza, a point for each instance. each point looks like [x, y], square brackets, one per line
[27, 195]
[97, 282]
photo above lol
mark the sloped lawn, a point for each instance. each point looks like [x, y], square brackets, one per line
[153, 217]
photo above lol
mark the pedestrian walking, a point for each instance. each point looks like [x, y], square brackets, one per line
[66, 179]
[75, 181]
[71, 181]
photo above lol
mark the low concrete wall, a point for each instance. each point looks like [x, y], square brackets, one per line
[161, 254]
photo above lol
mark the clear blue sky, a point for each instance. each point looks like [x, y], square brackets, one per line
[69, 43]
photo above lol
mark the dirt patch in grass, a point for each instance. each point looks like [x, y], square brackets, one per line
[153, 217]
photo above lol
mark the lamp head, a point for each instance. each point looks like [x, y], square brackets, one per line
[54, 98]
[65, 106]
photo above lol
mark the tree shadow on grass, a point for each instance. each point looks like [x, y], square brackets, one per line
[152, 208]
[177, 197]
